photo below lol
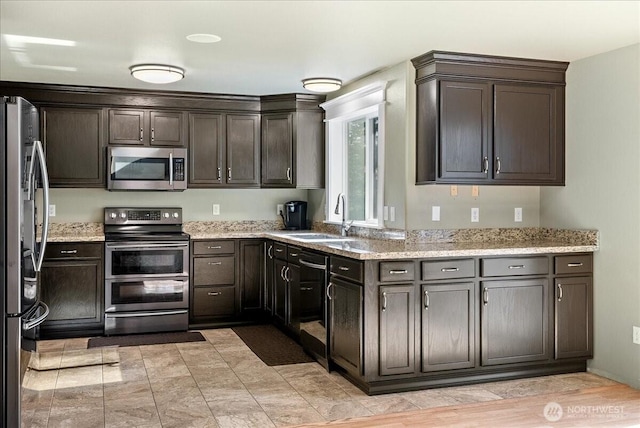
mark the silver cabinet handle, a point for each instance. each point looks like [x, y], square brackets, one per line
[270, 251]
[279, 250]
[229, 173]
[426, 299]
[214, 293]
[293, 254]
[498, 165]
[219, 174]
[312, 265]
[560, 294]
[141, 134]
[287, 277]
[215, 247]
[397, 272]
[574, 264]
[289, 174]
[485, 296]
[343, 268]
[454, 269]
[329, 291]
[68, 251]
[485, 168]
[516, 266]
[306, 289]
[214, 263]
[384, 301]
[153, 134]
[282, 273]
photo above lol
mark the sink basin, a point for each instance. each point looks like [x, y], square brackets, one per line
[317, 237]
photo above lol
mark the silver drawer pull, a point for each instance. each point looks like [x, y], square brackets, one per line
[516, 267]
[560, 293]
[574, 264]
[293, 254]
[384, 301]
[279, 250]
[344, 268]
[214, 263]
[397, 272]
[215, 247]
[426, 299]
[214, 293]
[306, 289]
[68, 251]
[449, 269]
[485, 296]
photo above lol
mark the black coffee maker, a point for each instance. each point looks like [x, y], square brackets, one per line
[295, 215]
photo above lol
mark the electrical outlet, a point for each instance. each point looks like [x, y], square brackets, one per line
[517, 214]
[216, 209]
[636, 335]
[435, 213]
[52, 210]
[280, 209]
[454, 190]
[475, 215]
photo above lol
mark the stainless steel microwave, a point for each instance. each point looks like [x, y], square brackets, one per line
[146, 168]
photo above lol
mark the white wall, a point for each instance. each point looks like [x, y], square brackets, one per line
[602, 192]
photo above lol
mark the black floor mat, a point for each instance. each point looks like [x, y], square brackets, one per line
[271, 345]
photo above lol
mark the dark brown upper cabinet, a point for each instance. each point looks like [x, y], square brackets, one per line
[293, 141]
[489, 120]
[243, 150]
[74, 140]
[147, 128]
[206, 150]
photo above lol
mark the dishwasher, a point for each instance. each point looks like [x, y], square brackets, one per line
[314, 333]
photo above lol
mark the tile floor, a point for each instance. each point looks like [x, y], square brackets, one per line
[221, 383]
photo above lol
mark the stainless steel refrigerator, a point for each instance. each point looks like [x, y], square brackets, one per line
[22, 172]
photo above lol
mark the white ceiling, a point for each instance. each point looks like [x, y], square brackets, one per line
[267, 47]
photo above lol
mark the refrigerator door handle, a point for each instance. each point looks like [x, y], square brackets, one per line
[45, 205]
[30, 322]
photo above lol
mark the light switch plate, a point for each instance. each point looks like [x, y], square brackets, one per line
[435, 213]
[517, 214]
[216, 209]
[392, 213]
[385, 213]
[52, 210]
[475, 215]
[636, 335]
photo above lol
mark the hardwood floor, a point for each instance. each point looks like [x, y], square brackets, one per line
[614, 406]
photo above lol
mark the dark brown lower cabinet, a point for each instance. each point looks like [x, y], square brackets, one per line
[448, 326]
[280, 292]
[72, 285]
[574, 317]
[270, 270]
[214, 302]
[514, 321]
[345, 315]
[252, 274]
[397, 338]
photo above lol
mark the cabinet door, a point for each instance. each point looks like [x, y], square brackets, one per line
[213, 302]
[280, 292]
[243, 149]
[574, 317]
[74, 145]
[293, 298]
[277, 150]
[168, 128]
[465, 127]
[527, 136]
[206, 150]
[397, 320]
[345, 318]
[74, 292]
[448, 326]
[251, 274]
[514, 321]
[270, 279]
[128, 127]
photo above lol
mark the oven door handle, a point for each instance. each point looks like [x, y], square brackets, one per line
[146, 246]
[144, 314]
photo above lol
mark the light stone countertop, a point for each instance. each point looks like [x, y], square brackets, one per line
[478, 242]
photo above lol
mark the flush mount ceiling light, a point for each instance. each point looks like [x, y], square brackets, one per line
[322, 84]
[203, 38]
[155, 73]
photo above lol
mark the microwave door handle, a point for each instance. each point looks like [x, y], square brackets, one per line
[45, 205]
[171, 169]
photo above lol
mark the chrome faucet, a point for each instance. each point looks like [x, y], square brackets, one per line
[344, 227]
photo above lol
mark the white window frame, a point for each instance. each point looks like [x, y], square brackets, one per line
[368, 101]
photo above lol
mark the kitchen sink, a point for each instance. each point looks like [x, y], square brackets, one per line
[317, 237]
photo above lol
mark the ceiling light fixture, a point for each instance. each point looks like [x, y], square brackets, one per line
[322, 84]
[203, 38]
[156, 73]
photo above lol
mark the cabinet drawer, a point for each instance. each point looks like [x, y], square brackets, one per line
[448, 269]
[213, 301]
[573, 264]
[512, 266]
[293, 254]
[214, 270]
[214, 247]
[397, 271]
[280, 251]
[347, 268]
[71, 250]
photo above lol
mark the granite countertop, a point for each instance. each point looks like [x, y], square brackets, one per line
[417, 244]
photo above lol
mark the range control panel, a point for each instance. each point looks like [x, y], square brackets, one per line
[142, 216]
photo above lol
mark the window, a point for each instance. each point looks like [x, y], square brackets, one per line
[355, 155]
